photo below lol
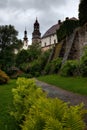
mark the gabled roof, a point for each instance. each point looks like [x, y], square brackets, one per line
[51, 30]
[73, 18]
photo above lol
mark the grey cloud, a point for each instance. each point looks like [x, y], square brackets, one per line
[36, 4]
[3, 3]
[21, 13]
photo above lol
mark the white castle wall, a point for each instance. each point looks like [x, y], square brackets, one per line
[50, 40]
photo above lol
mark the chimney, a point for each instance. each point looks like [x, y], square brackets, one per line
[59, 22]
[67, 18]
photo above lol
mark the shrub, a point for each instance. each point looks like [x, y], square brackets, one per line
[35, 68]
[83, 63]
[14, 72]
[37, 112]
[25, 75]
[47, 68]
[24, 67]
[53, 114]
[56, 64]
[70, 68]
[3, 77]
[25, 95]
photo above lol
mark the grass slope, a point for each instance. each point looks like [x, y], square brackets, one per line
[74, 84]
[6, 106]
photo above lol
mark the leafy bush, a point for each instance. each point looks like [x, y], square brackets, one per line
[83, 64]
[56, 64]
[26, 75]
[35, 68]
[53, 114]
[24, 67]
[70, 68]
[47, 68]
[53, 66]
[37, 112]
[25, 95]
[3, 77]
[44, 58]
[21, 57]
[14, 72]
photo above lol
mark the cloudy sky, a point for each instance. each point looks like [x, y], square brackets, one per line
[22, 13]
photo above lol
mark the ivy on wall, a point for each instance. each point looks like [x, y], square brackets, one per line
[66, 28]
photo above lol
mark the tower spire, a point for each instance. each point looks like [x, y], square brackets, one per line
[25, 41]
[36, 35]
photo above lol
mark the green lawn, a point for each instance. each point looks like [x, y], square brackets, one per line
[74, 84]
[6, 121]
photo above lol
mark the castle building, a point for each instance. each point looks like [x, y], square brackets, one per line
[50, 38]
[25, 40]
[36, 35]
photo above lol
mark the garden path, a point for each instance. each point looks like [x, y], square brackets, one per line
[62, 94]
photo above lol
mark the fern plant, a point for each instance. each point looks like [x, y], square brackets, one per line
[53, 114]
[24, 96]
[34, 111]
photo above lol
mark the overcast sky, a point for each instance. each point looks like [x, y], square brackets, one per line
[22, 13]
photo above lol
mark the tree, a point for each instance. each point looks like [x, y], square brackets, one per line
[22, 57]
[34, 51]
[83, 12]
[8, 42]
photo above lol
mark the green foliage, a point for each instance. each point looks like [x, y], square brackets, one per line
[66, 28]
[70, 68]
[53, 114]
[53, 66]
[82, 12]
[7, 59]
[22, 57]
[14, 72]
[8, 43]
[47, 68]
[26, 75]
[83, 64]
[7, 122]
[8, 36]
[44, 58]
[35, 67]
[24, 97]
[56, 64]
[34, 51]
[3, 77]
[37, 112]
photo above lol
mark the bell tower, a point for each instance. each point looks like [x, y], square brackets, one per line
[25, 41]
[36, 35]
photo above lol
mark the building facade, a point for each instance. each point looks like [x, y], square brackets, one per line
[50, 38]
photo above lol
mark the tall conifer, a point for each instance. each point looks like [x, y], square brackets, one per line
[83, 12]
